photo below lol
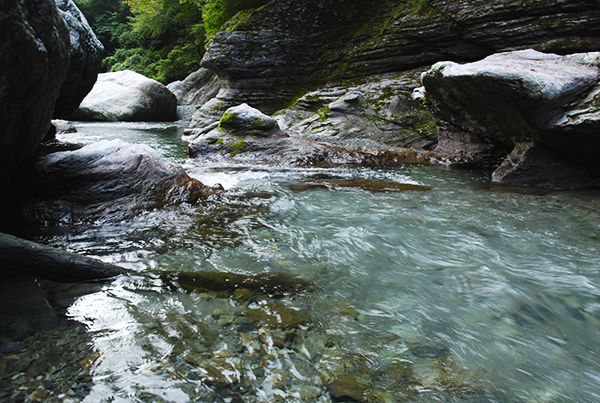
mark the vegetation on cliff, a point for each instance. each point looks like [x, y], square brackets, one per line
[161, 39]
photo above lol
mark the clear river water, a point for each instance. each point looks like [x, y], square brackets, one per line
[465, 293]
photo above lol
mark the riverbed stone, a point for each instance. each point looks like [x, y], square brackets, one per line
[348, 388]
[244, 120]
[493, 107]
[127, 96]
[108, 180]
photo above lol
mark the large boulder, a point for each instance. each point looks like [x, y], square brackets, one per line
[84, 63]
[127, 96]
[108, 180]
[541, 108]
[34, 58]
[196, 89]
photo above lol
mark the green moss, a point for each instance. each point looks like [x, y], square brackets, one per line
[227, 120]
[220, 141]
[237, 146]
[323, 112]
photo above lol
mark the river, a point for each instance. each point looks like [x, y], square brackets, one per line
[468, 292]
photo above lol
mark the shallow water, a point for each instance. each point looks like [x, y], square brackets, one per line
[465, 293]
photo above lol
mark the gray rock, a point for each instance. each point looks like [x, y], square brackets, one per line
[86, 56]
[523, 97]
[197, 88]
[63, 126]
[245, 120]
[108, 180]
[34, 58]
[267, 56]
[127, 96]
[377, 113]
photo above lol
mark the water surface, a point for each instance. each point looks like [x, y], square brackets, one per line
[464, 293]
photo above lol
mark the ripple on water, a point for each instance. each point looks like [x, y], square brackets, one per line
[465, 293]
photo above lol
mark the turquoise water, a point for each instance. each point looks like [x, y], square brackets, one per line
[464, 293]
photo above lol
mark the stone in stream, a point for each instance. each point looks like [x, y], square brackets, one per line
[127, 96]
[371, 185]
[271, 284]
[247, 136]
[348, 388]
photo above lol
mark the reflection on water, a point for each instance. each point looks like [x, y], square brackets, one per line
[465, 293]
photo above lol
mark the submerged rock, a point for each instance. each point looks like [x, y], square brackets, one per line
[108, 180]
[272, 284]
[348, 388]
[371, 185]
[541, 106]
[127, 96]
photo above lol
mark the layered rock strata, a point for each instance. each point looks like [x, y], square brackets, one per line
[269, 56]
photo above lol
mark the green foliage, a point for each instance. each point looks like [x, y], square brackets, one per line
[161, 39]
[215, 13]
[237, 146]
[110, 21]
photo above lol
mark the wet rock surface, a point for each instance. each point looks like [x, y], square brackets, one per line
[108, 180]
[371, 185]
[508, 100]
[127, 96]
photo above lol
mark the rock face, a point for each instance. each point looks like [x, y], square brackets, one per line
[268, 56]
[85, 60]
[106, 180]
[48, 58]
[543, 107]
[196, 89]
[34, 58]
[379, 111]
[127, 96]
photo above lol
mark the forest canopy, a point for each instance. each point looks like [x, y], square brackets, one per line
[161, 39]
